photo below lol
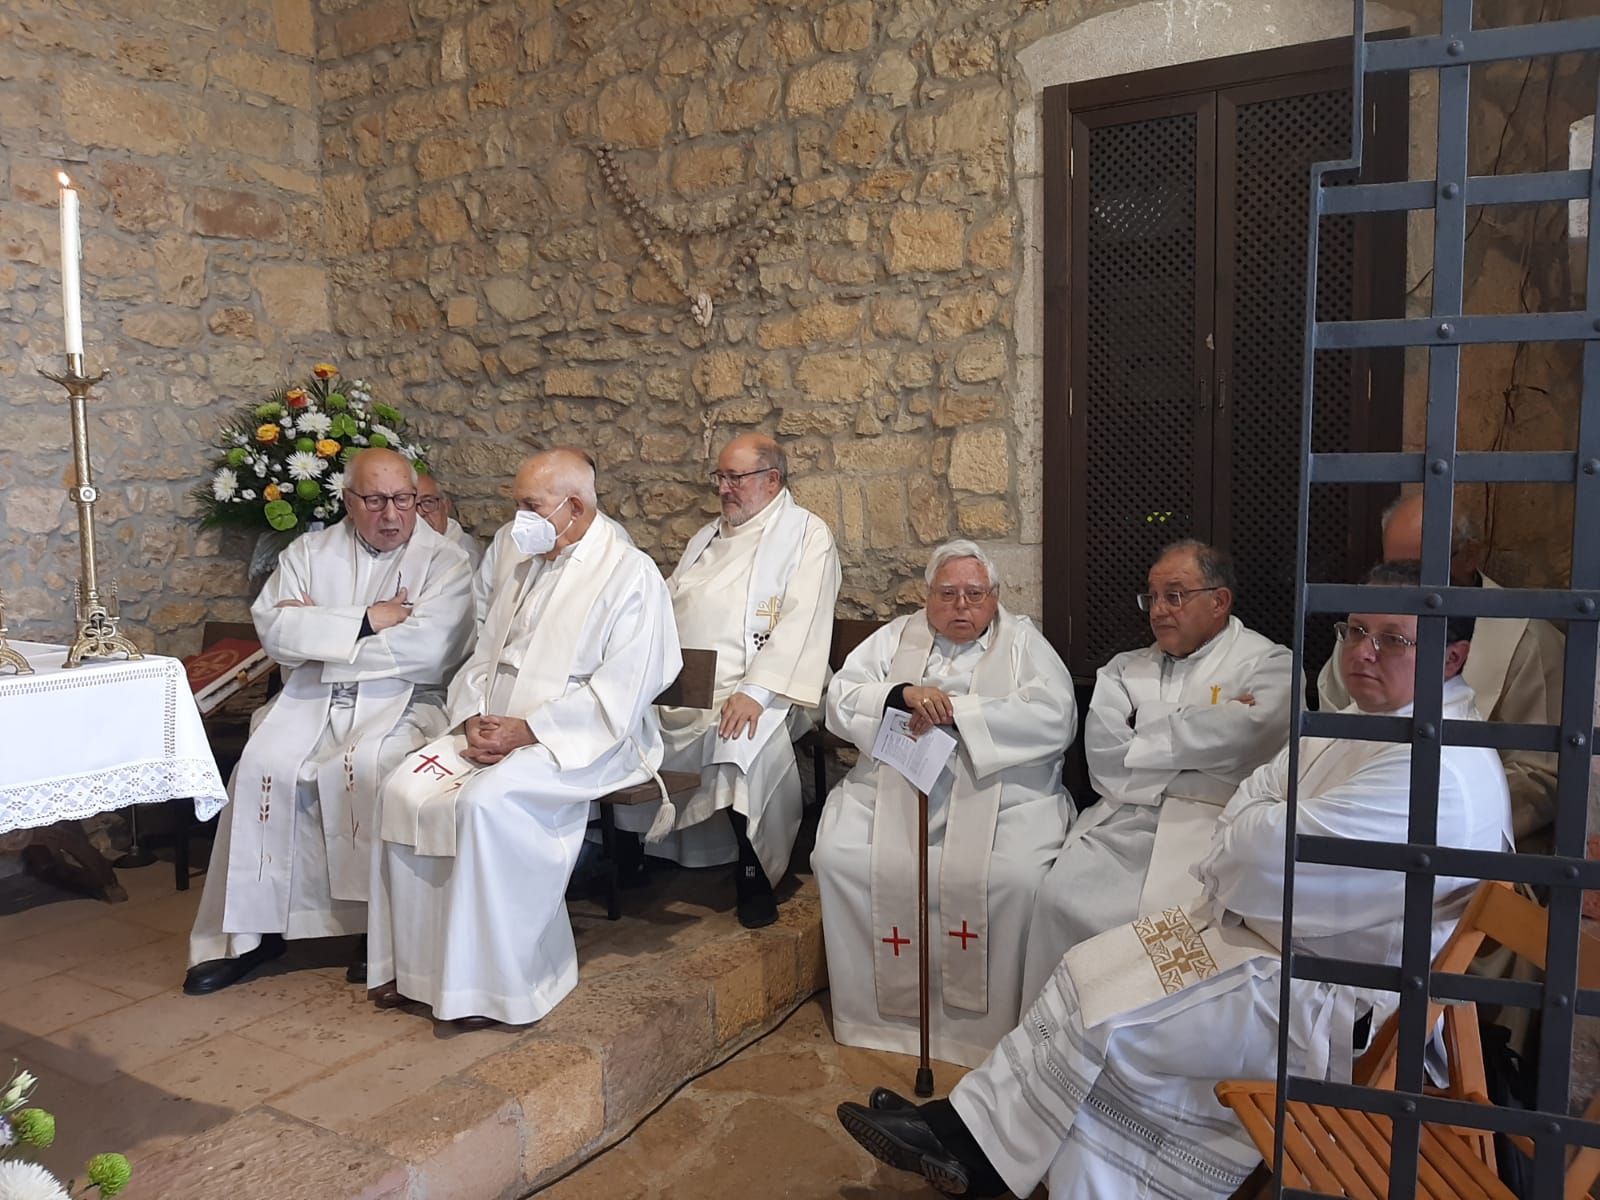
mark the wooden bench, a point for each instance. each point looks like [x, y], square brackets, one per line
[694, 687]
[848, 633]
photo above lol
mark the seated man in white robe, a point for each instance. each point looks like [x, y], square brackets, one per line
[367, 619]
[439, 513]
[758, 587]
[1515, 671]
[481, 827]
[1105, 1088]
[996, 816]
[1170, 732]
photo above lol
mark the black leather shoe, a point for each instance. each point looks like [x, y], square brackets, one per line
[902, 1139]
[356, 972]
[756, 905]
[207, 977]
[882, 1099]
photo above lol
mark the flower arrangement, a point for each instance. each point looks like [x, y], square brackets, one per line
[280, 464]
[23, 1126]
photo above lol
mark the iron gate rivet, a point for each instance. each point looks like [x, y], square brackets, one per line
[1421, 860]
[1446, 329]
[1416, 983]
[1408, 1106]
[1591, 465]
[1426, 731]
[1455, 48]
[1552, 1127]
[1576, 739]
[1438, 466]
[1451, 191]
[1597, 324]
[1433, 600]
[1586, 605]
[1570, 873]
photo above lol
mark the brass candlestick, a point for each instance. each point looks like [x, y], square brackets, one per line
[97, 627]
[10, 657]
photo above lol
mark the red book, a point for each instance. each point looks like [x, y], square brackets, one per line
[224, 667]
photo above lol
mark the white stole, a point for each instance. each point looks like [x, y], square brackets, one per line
[266, 780]
[419, 802]
[971, 815]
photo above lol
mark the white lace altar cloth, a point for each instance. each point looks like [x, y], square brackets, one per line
[100, 736]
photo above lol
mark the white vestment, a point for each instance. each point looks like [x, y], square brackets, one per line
[468, 909]
[1167, 743]
[458, 535]
[1515, 670]
[483, 581]
[1106, 1085]
[1002, 801]
[293, 852]
[761, 595]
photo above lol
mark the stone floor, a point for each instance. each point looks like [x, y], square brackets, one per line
[295, 1086]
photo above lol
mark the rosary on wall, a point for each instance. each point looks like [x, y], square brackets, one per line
[646, 225]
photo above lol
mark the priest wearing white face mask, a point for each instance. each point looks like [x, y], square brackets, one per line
[368, 620]
[996, 816]
[758, 587]
[482, 826]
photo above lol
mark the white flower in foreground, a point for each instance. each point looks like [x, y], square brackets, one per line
[29, 1181]
[389, 435]
[304, 464]
[20, 1086]
[248, 494]
[334, 484]
[315, 424]
[224, 484]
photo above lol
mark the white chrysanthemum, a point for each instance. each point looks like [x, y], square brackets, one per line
[286, 421]
[248, 494]
[224, 484]
[315, 424]
[334, 483]
[29, 1181]
[304, 464]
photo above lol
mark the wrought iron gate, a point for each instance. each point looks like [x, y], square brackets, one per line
[1439, 467]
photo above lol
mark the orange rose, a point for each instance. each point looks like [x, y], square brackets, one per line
[296, 398]
[268, 433]
[327, 448]
[273, 492]
[324, 371]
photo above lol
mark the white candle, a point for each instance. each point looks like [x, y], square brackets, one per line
[71, 302]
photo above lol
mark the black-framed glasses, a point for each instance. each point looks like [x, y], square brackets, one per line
[429, 504]
[1172, 597]
[375, 501]
[973, 596]
[1383, 644]
[718, 478]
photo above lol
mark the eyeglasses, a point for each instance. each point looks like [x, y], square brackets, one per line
[1172, 597]
[953, 595]
[1387, 645]
[735, 478]
[375, 502]
[429, 504]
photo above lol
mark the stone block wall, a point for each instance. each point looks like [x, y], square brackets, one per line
[482, 268]
[191, 129]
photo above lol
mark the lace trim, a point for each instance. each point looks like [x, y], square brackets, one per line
[74, 797]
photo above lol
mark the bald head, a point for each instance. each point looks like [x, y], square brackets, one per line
[751, 470]
[361, 468]
[559, 486]
[432, 503]
[388, 479]
[1402, 538]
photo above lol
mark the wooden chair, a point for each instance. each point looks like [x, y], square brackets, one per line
[1345, 1152]
[693, 688]
[848, 633]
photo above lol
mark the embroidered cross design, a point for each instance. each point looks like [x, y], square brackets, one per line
[430, 765]
[964, 934]
[1176, 950]
[350, 769]
[264, 810]
[770, 608]
[1216, 692]
[896, 941]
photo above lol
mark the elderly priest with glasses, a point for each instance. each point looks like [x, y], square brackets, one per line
[368, 619]
[996, 816]
[1171, 730]
[481, 827]
[1105, 1087]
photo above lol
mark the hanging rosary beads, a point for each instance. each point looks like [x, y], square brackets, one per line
[645, 224]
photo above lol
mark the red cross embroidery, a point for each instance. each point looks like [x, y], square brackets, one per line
[964, 934]
[896, 941]
[434, 767]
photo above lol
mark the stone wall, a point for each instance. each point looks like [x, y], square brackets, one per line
[191, 128]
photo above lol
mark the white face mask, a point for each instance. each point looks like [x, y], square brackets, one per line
[534, 534]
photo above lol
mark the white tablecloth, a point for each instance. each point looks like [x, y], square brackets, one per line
[98, 737]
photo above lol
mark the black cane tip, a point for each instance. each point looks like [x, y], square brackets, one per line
[924, 1081]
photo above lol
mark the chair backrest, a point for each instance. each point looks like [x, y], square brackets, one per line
[848, 633]
[696, 684]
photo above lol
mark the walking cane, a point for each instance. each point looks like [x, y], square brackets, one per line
[924, 1085]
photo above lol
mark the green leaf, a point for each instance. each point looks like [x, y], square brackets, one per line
[280, 514]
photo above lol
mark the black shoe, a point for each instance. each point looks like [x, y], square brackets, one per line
[356, 972]
[756, 905]
[207, 977]
[882, 1099]
[902, 1139]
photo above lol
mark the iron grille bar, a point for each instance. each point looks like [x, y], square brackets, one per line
[1348, 971]
[1532, 187]
[1438, 1110]
[1359, 727]
[1460, 48]
[1546, 603]
[1451, 862]
[1473, 466]
[1456, 329]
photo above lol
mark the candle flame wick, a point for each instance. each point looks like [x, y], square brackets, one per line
[65, 181]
